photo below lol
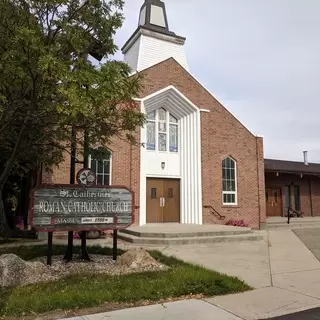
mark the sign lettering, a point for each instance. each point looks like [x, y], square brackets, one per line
[75, 207]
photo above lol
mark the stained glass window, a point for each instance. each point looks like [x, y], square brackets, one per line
[151, 115]
[151, 136]
[162, 131]
[229, 181]
[162, 114]
[162, 142]
[151, 131]
[173, 133]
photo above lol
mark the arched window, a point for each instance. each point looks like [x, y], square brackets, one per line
[229, 181]
[162, 131]
[100, 163]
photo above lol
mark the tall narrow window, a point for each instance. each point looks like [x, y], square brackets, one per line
[287, 192]
[297, 202]
[173, 133]
[151, 131]
[102, 167]
[162, 131]
[229, 181]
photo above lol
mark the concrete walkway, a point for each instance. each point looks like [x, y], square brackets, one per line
[294, 277]
[284, 272]
[180, 310]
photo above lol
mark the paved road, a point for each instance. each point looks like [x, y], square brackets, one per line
[313, 314]
[311, 239]
[179, 310]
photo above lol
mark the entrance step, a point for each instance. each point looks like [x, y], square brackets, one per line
[295, 223]
[250, 236]
[178, 234]
[185, 234]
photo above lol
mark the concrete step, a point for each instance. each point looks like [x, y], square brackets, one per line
[189, 240]
[191, 234]
[292, 225]
[282, 223]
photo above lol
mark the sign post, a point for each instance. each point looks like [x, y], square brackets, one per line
[115, 245]
[69, 253]
[80, 208]
[85, 177]
[49, 253]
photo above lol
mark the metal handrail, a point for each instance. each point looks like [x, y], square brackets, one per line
[293, 212]
[215, 212]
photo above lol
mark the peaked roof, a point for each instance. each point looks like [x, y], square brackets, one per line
[273, 165]
[171, 72]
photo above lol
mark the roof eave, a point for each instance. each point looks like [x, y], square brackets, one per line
[293, 172]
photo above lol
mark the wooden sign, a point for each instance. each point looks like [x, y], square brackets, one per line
[81, 208]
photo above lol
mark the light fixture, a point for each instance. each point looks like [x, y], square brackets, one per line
[163, 165]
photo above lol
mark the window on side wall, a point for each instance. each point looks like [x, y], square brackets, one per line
[101, 164]
[162, 131]
[229, 181]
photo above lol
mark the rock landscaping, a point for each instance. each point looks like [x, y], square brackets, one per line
[137, 278]
[16, 272]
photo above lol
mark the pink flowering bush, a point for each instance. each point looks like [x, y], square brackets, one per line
[76, 235]
[237, 223]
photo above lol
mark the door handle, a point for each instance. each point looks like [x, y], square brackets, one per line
[164, 201]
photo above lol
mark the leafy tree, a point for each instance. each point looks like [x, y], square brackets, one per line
[49, 82]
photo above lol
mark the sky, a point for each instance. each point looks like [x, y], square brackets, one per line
[259, 58]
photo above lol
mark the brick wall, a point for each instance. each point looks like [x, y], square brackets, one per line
[309, 205]
[315, 192]
[222, 136]
[125, 167]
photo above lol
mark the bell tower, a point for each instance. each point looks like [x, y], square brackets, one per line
[153, 14]
[153, 41]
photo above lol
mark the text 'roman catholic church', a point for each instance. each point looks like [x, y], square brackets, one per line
[195, 161]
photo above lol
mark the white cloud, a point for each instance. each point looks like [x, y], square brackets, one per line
[260, 58]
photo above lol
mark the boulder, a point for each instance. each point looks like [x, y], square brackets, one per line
[14, 271]
[136, 258]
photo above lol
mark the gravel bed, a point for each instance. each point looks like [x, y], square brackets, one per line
[99, 264]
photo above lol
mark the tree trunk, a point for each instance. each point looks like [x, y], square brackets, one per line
[5, 231]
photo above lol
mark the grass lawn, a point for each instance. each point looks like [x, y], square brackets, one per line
[85, 291]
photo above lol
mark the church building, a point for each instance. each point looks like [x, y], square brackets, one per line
[195, 163]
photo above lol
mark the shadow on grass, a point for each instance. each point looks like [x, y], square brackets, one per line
[90, 290]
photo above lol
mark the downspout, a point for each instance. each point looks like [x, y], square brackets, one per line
[259, 206]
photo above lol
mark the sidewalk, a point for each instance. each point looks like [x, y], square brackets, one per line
[284, 272]
[184, 310]
[295, 279]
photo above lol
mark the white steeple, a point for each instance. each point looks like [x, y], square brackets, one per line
[153, 42]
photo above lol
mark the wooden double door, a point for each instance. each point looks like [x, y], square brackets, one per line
[274, 202]
[163, 200]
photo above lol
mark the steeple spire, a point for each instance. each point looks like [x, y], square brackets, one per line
[152, 34]
[153, 15]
